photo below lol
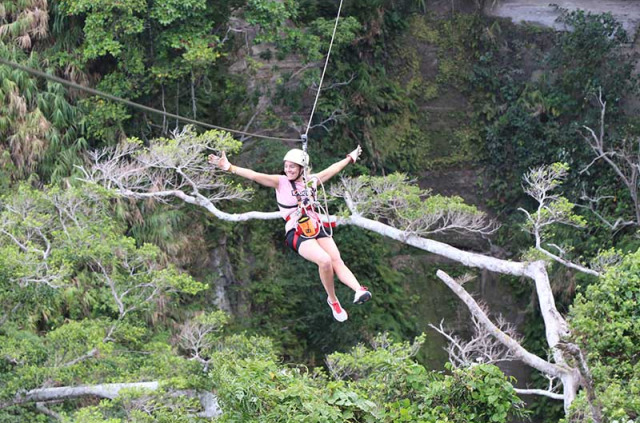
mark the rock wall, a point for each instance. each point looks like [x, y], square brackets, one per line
[542, 13]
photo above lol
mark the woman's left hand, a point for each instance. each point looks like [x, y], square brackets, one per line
[355, 154]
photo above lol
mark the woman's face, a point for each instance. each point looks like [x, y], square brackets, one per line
[292, 170]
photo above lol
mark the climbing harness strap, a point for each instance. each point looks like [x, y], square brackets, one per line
[309, 221]
[308, 200]
[307, 225]
[285, 206]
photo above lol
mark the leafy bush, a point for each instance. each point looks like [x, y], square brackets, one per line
[606, 324]
[381, 384]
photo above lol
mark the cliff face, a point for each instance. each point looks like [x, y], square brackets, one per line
[627, 12]
[542, 13]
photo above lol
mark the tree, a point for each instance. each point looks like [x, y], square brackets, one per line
[75, 294]
[552, 209]
[177, 169]
[604, 323]
[624, 159]
[38, 124]
[381, 382]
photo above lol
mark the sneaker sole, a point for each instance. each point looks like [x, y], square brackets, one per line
[363, 298]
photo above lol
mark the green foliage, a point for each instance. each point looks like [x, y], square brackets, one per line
[485, 393]
[104, 119]
[406, 112]
[107, 23]
[269, 15]
[149, 51]
[605, 317]
[346, 32]
[385, 373]
[406, 206]
[462, 41]
[141, 407]
[167, 12]
[38, 124]
[160, 52]
[538, 119]
[588, 58]
[606, 324]
[76, 293]
[364, 385]
[375, 102]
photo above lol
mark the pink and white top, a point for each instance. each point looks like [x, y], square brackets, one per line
[288, 202]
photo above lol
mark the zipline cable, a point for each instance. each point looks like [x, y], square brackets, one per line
[134, 104]
[305, 138]
[326, 62]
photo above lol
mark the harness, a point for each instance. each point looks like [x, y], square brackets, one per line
[308, 223]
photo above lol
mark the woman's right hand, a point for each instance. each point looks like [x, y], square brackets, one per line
[222, 162]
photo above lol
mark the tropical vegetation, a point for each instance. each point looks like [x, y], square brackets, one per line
[130, 308]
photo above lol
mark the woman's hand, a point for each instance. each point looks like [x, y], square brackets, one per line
[222, 162]
[355, 154]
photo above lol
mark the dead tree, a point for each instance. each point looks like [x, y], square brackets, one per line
[623, 159]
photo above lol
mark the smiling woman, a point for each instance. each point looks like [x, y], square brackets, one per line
[304, 231]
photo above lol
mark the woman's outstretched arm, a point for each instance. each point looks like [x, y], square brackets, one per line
[223, 163]
[335, 168]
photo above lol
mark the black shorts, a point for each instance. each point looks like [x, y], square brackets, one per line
[292, 241]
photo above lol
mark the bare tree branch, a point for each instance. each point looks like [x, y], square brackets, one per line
[585, 372]
[314, 86]
[568, 263]
[163, 168]
[619, 223]
[259, 109]
[396, 200]
[549, 394]
[554, 326]
[516, 350]
[624, 159]
[198, 336]
[334, 117]
[44, 410]
[209, 402]
[483, 347]
[92, 353]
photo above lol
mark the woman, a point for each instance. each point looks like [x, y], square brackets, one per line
[292, 197]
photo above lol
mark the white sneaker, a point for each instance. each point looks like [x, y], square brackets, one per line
[339, 313]
[362, 295]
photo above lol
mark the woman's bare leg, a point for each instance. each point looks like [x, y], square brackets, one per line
[342, 271]
[312, 251]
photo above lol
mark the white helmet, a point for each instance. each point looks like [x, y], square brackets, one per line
[297, 156]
